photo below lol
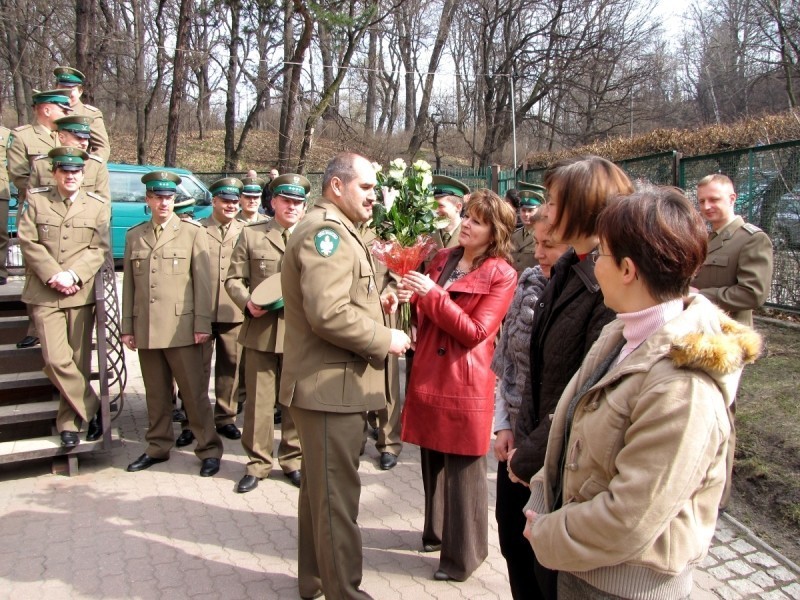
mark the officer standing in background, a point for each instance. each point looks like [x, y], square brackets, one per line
[250, 199]
[166, 316]
[75, 131]
[5, 197]
[449, 194]
[334, 371]
[64, 235]
[522, 238]
[223, 231]
[73, 80]
[259, 255]
[28, 143]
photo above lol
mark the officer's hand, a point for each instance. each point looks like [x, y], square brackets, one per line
[255, 311]
[201, 338]
[129, 341]
[389, 302]
[400, 342]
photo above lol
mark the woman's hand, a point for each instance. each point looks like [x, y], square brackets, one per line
[403, 293]
[389, 302]
[530, 517]
[418, 283]
[503, 444]
[511, 474]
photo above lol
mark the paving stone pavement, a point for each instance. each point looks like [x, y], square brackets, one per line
[168, 533]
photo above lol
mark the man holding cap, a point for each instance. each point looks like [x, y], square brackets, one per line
[73, 81]
[75, 131]
[222, 230]
[257, 256]
[334, 370]
[522, 238]
[29, 142]
[250, 199]
[166, 316]
[64, 237]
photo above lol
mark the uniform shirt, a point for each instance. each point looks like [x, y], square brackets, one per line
[54, 239]
[737, 272]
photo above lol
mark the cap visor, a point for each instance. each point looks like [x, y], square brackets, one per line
[68, 84]
[291, 196]
[163, 192]
[228, 197]
[81, 134]
[69, 167]
[252, 194]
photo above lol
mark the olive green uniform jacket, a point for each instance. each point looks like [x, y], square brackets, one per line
[28, 143]
[737, 272]
[55, 239]
[335, 359]
[166, 292]
[98, 143]
[523, 242]
[220, 250]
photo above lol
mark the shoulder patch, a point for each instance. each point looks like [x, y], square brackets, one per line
[39, 190]
[329, 216]
[326, 241]
[750, 228]
[96, 196]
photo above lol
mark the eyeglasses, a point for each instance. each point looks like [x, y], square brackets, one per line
[595, 255]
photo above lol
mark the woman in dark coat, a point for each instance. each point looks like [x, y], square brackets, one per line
[569, 317]
[460, 303]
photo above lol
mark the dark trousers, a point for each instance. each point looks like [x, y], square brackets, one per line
[456, 510]
[511, 499]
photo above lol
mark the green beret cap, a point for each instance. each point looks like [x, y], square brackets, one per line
[163, 183]
[227, 188]
[447, 186]
[290, 185]
[67, 76]
[60, 97]
[68, 158]
[76, 124]
[253, 186]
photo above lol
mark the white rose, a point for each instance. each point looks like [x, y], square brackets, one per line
[398, 164]
[376, 167]
[427, 178]
[389, 196]
[422, 166]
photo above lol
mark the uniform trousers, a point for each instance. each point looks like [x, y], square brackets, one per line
[511, 499]
[183, 364]
[328, 538]
[224, 338]
[66, 336]
[456, 510]
[387, 420]
[262, 380]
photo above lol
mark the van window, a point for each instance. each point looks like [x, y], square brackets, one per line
[126, 187]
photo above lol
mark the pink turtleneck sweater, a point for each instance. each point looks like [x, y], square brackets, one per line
[638, 326]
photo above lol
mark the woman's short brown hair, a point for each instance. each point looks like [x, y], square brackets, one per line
[488, 207]
[659, 229]
[582, 187]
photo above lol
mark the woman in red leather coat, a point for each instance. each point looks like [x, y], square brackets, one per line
[460, 303]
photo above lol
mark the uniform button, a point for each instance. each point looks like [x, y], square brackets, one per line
[63, 249]
[440, 352]
[66, 237]
[152, 285]
[152, 300]
[67, 225]
[572, 466]
[153, 271]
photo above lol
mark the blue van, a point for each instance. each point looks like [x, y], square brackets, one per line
[128, 207]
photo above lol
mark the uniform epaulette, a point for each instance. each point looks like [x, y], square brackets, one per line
[39, 190]
[329, 216]
[92, 108]
[96, 196]
[97, 158]
[750, 228]
[22, 127]
[193, 222]
[139, 225]
[42, 156]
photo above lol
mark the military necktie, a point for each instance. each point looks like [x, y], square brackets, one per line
[67, 202]
[157, 231]
[445, 238]
[223, 230]
[286, 233]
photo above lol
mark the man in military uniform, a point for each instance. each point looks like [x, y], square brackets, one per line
[73, 80]
[166, 316]
[522, 238]
[334, 370]
[449, 194]
[28, 143]
[5, 197]
[75, 131]
[257, 256]
[737, 272]
[250, 200]
[64, 234]
[223, 231]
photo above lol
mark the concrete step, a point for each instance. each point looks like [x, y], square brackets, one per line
[13, 328]
[50, 446]
[13, 359]
[28, 412]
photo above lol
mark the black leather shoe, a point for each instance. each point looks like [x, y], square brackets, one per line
[388, 461]
[442, 576]
[95, 430]
[277, 417]
[431, 547]
[185, 438]
[28, 342]
[210, 467]
[239, 407]
[144, 462]
[230, 431]
[178, 416]
[247, 484]
[294, 477]
[3, 280]
[69, 439]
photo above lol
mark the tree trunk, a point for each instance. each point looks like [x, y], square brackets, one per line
[372, 82]
[406, 55]
[229, 163]
[178, 83]
[84, 46]
[143, 120]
